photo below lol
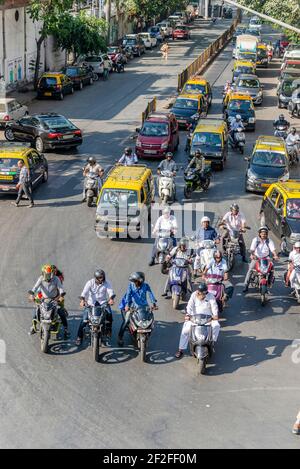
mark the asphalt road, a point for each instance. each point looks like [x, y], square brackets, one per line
[250, 396]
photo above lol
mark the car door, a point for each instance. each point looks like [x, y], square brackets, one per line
[23, 129]
[38, 166]
[270, 211]
[173, 135]
[280, 220]
[20, 110]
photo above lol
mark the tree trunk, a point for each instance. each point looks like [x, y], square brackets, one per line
[39, 43]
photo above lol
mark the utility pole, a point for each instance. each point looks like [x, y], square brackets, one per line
[108, 18]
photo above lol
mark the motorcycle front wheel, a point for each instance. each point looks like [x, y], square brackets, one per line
[175, 299]
[206, 184]
[45, 336]
[142, 342]
[187, 192]
[230, 260]
[95, 345]
[202, 365]
[263, 295]
[89, 201]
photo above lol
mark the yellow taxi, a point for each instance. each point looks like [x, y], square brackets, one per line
[242, 66]
[124, 202]
[280, 211]
[54, 85]
[10, 154]
[199, 85]
[262, 55]
[187, 107]
[210, 136]
[240, 104]
[268, 164]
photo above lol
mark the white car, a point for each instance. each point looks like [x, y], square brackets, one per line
[11, 110]
[94, 61]
[166, 28]
[149, 41]
[255, 23]
[175, 19]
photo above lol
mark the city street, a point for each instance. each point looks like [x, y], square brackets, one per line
[250, 395]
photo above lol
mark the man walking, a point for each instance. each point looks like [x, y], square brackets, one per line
[24, 185]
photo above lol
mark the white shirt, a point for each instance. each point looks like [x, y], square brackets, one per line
[94, 292]
[217, 269]
[292, 139]
[167, 224]
[128, 160]
[179, 254]
[207, 306]
[262, 248]
[294, 257]
[93, 169]
[234, 222]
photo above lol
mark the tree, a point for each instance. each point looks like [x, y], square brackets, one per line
[149, 9]
[48, 13]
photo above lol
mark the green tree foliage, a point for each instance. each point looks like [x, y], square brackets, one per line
[154, 8]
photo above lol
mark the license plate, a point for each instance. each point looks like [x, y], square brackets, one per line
[143, 331]
[47, 94]
[6, 178]
[181, 121]
[67, 137]
[117, 230]
[150, 152]
[265, 185]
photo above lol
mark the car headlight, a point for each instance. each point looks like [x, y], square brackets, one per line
[281, 96]
[195, 116]
[251, 176]
[138, 144]
[251, 120]
[259, 93]
[164, 146]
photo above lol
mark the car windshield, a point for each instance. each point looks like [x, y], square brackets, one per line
[287, 88]
[118, 198]
[182, 103]
[269, 158]
[155, 129]
[207, 139]
[112, 50]
[194, 88]
[248, 83]
[129, 41]
[92, 58]
[181, 27]
[293, 208]
[154, 30]
[243, 69]
[9, 164]
[239, 105]
[72, 72]
[58, 122]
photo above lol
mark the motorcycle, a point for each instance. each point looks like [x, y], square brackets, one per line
[296, 283]
[178, 278]
[166, 186]
[216, 287]
[141, 324]
[191, 127]
[294, 106]
[237, 140]
[293, 152]
[232, 247]
[96, 328]
[261, 277]
[164, 247]
[281, 131]
[204, 255]
[118, 66]
[91, 187]
[270, 55]
[194, 180]
[128, 52]
[201, 343]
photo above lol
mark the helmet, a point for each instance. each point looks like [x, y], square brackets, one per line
[137, 277]
[99, 274]
[166, 211]
[91, 160]
[169, 154]
[234, 207]
[281, 117]
[297, 244]
[183, 242]
[198, 153]
[128, 151]
[205, 219]
[202, 287]
[238, 117]
[263, 228]
[293, 129]
[48, 272]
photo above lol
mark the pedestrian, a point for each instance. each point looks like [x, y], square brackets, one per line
[165, 50]
[296, 427]
[106, 68]
[24, 185]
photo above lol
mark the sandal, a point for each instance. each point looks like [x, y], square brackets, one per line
[179, 354]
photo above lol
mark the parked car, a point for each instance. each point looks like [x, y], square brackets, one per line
[181, 32]
[44, 131]
[135, 42]
[54, 85]
[150, 40]
[166, 28]
[11, 110]
[79, 75]
[158, 135]
[93, 61]
[251, 85]
[157, 32]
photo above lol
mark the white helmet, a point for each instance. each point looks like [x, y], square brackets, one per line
[204, 219]
[297, 244]
[166, 211]
[238, 117]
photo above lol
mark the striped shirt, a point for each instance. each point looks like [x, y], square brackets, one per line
[24, 177]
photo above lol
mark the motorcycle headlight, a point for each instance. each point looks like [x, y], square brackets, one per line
[251, 176]
[251, 120]
[145, 324]
[164, 146]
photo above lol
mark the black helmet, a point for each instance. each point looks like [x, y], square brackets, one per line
[202, 287]
[137, 277]
[234, 207]
[198, 153]
[293, 129]
[183, 242]
[91, 160]
[99, 274]
[128, 151]
[263, 228]
[281, 117]
[169, 154]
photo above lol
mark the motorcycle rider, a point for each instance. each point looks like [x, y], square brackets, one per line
[281, 121]
[295, 95]
[201, 302]
[206, 231]
[235, 124]
[165, 222]
[96, 291]
[294, 259]
[168, 164]
[136, 296]
[128, 158]
[197, 162]
[234, 220]
[292, 141]
[180, 252]
[261, 247]
[92, 168]
[50, 287]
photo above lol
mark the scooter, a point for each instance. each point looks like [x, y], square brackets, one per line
[166, 187]
[201, 343]
[194, 181]
[178, 278]
[296, 282]
[237, 141]
[140, 327]
[91, 187]
[164, 246]
[216, 287]
[281, 131]
[261, 278]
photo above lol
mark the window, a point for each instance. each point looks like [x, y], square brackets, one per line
[274, 196]
[35, 158]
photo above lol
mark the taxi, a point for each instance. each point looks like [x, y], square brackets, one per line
[124, 202]
[242, 104]
[268, 164]
[188, 106]
[241, 67]
[262, 56]
[280, 211]
[10, 154]
[199, 85]
[54, 85]
[211, 138]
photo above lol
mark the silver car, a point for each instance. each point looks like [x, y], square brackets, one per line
[94, 61]
[250, 84]
[11, 110]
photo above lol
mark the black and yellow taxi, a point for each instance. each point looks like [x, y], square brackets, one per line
[241, 67]
[124, 202]
[199, 85]
[280, 211]
[10, 154]
[268, 164]
[54, 85]
[237, 103]
[210, 137]
[187, 107]
[262, 55]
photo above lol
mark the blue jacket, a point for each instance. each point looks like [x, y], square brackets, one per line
[137, 296]
[210, 233]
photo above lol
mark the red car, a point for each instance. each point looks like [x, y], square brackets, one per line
[158, 135]
[181, 32]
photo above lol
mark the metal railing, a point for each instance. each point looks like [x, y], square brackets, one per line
[151, 107]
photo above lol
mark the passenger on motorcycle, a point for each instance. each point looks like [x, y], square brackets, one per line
[180, 252]
[136, 296]
[97, 291]
[292, 141]
[235, 124]
[295, 96]
[294, 259]
[128, 158]
[232, 221]
[49, 286]
[201, 302]
[92, 169]
[261, 247]
[168, 223]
